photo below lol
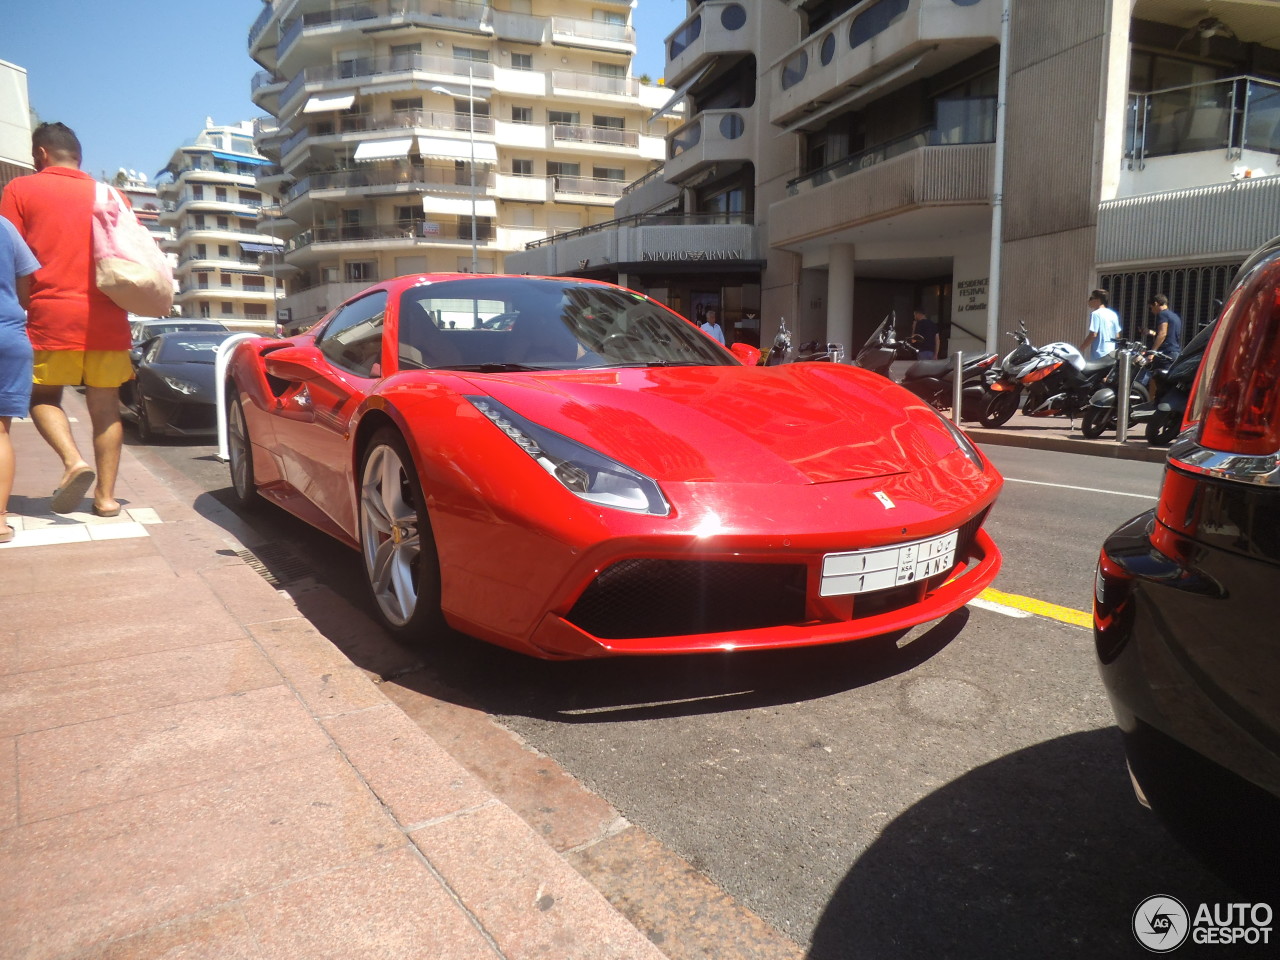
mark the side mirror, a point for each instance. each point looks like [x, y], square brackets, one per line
[293, 363]
[135, 355]
[747, 355]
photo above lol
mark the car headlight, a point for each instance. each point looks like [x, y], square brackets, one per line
[964, 443]
[584, 472]
[182, 386]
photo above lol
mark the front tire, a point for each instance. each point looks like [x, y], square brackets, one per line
[998, 409]
[240, 453]
[1096, 421]
[396, 542]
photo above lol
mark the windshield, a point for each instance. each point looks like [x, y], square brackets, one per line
[189, 348]
[519, 323]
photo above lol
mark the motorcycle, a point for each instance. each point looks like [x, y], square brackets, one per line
[1145, 363]
[931, 380]
[1056, 379]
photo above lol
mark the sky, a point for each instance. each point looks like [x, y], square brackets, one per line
[136, 79]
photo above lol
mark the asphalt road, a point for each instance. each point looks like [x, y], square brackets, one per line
[958, 791]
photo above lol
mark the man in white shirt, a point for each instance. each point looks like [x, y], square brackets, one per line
[1104, 327]
[711, 326]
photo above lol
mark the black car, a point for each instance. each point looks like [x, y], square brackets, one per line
[1184, 622]
[173, 390]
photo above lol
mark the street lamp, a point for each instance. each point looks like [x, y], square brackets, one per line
[471, 128]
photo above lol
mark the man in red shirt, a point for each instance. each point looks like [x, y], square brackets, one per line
[79, 336]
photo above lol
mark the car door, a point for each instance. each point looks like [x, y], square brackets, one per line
[327, 382]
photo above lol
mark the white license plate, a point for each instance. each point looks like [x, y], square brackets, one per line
[862, 571]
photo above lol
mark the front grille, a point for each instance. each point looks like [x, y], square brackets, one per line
[666, 598]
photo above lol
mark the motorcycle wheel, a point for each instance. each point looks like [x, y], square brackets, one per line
[1162, 428]
[998, 409]
[1096, 421]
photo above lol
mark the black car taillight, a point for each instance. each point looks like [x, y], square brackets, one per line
[1236, 399]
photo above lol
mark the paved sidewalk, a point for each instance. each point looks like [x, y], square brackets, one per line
[1057, 433]
[192, 770]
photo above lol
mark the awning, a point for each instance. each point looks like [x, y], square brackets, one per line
[383, 149]
[459, 206]
[237, 158]
[336, 102]
[259, 247]
[681, 91]
[441, 149]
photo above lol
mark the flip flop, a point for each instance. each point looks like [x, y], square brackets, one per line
[68, 496]
[7, 534]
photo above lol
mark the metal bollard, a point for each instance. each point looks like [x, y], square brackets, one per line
[957, 387]
[1125, 359]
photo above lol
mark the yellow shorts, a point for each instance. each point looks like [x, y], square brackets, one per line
[92, 368]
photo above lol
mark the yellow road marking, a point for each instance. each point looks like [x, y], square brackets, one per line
[1043, 608]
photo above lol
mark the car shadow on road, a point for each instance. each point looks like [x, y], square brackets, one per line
[1042, 853]
[647, 688]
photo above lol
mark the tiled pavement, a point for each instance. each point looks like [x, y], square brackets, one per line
[191, 770]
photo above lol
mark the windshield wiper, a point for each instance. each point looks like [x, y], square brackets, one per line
[656, 363]
[491, 367]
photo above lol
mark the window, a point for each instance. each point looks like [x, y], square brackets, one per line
[404, 104]
[204, 309]
[404, 56]
[406, 215]
[224, 280]
[249, 196]
[224, 250]
[522, 61]
[557, 168]
[220, 194]
[875, 19]
[201, 251]
[522, 114]
[608, 173]
[255, 311]
[361, 271]
[471, 53]
[254, 283]
[521, 168]
[562, 117]
[202, 281]
[484, 229]
[608, 69]
[464, 110]
[198, 220]
[197, 192]
[352, 340]
[228, 308]
[223, 223]
[613, 123]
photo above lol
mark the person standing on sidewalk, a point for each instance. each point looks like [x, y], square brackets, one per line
[923, 326]
[1168, 331]
[17, 263]
[79, 335]
[1104, 327]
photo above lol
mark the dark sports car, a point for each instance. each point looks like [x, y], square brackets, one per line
[1183, 618]
[569, 469]
[172, 392]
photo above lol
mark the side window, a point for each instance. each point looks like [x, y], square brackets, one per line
[353, 339]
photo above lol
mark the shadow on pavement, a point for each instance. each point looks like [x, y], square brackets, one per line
[1042, 853]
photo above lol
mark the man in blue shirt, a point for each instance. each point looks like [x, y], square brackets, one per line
[1168, 332]
[1104, 327]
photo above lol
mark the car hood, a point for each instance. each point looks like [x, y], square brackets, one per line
[798, 423]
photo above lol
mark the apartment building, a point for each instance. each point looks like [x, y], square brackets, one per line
[415, 136]
[845, 158]
[212, 205]
[15, 123]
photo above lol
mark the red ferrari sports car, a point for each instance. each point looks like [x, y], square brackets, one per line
[570, 469]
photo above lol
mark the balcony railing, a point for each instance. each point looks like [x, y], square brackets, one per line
[376, 176]
[1232, 115]
[924, 137]
[460, 12]
[651, 175]
[589, 186]
[263, 78]
[400, 230]
[606, 136]
[259, 24]
[648, 220]
[593, 30]
[595, 83]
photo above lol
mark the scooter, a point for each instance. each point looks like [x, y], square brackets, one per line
[1172, 390]
[1100, 416]
[931, 380]
[1056, 379]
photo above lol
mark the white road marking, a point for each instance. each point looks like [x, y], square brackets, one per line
[1067, 486]
[998, 608]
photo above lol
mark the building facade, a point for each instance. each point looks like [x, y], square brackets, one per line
[15, 123]
[212, 206]
[439, 135]
[861, 155]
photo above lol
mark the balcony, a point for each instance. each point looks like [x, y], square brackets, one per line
[374, 72]
[519, 27]
[259, 25]
[876, 184]
[874, 48]
[716, 28]
[1187, 136]
[369, 15]
[594, 34]
[346, 124]
[713, 136]
[377, 236]
[593, 85]
[563, 134]
[586, 189]
[373, 178]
